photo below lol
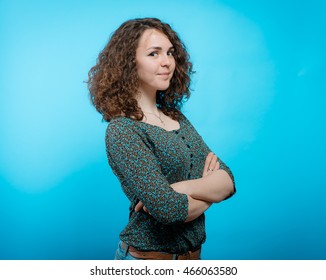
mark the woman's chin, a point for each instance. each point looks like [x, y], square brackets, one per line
[163, 87]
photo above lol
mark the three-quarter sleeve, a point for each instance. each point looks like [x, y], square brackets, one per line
[224, 167]
[139, 172]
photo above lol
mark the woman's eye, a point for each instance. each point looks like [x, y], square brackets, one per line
[153, 54]
[171, 53]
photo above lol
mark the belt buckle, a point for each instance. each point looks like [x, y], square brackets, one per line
[185, 255]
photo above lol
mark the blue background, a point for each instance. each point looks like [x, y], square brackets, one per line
[258, 101]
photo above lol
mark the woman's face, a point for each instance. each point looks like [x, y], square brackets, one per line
[155, 61]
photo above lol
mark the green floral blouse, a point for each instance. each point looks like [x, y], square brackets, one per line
[147, 159]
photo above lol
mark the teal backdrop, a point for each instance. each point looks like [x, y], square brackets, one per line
[258, 100]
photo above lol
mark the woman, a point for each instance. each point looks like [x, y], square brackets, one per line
[168, 173]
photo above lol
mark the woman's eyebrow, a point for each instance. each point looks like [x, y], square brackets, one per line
[158, 48]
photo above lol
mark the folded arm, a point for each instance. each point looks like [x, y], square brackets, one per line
[215, 185]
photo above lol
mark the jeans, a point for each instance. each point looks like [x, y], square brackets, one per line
[122, 254]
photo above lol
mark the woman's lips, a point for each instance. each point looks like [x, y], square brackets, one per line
[164, 74]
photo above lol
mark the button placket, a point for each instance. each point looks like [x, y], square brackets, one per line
[191, 157]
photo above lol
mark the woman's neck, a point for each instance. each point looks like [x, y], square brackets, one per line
[147, 102]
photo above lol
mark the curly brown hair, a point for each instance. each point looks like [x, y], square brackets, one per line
[113, 81]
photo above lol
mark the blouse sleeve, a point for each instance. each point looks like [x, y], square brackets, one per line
[137, 169]
[224, 167]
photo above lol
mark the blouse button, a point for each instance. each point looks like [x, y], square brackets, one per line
[191, 165]
[183, 137]
[191, 155]
[189, 175]
[188, 146]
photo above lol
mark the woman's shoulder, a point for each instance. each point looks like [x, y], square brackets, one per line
[123, 132]
[119, 121]
[119, 125]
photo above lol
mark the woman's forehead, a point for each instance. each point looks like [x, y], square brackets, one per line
[154, 38]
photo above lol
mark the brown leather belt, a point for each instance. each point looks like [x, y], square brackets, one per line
[152, 255]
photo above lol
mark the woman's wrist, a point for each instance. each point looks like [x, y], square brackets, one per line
[196, 208]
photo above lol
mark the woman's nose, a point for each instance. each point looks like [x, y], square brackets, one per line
[166, 60]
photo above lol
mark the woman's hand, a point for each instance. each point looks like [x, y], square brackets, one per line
[211, 164]
[139, 206]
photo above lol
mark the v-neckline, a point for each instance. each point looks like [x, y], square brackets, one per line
[161, 128]
[153, 125]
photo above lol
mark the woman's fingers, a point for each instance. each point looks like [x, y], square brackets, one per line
[217, 165]
[211, 164]
[207, 163]
[139, 206]
[214, 163]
